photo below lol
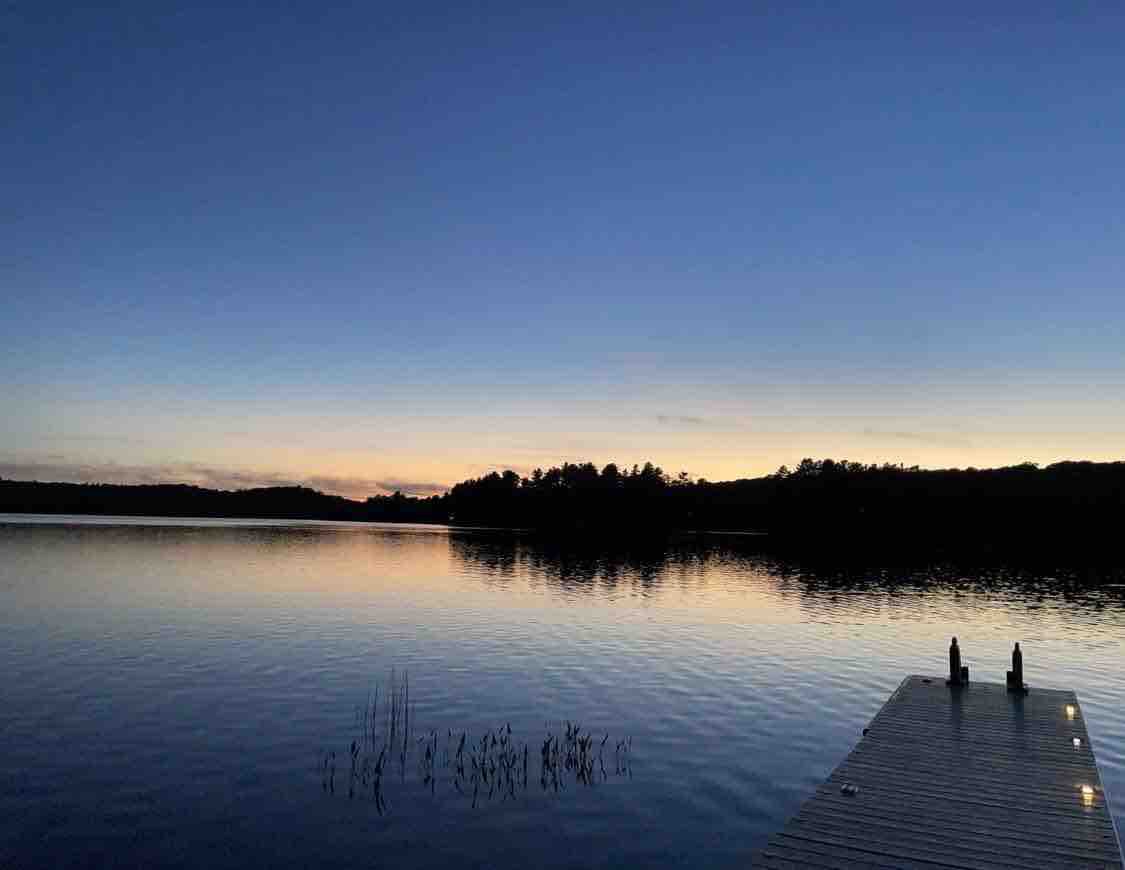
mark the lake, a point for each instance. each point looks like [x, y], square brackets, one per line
[174, 690]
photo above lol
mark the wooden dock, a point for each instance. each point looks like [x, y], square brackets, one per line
[971, 777]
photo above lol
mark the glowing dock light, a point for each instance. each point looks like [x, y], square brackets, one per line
[1088, 794]
[1070, 711]
[1077, 742]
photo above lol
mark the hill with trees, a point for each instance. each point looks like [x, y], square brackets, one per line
[817, 500]
[182, 500]
[818, 497]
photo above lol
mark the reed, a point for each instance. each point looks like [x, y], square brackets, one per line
[493, 766]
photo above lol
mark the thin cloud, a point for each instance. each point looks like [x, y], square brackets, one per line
[408, 487]
[681, 419]
[99, 439]
[940, 439]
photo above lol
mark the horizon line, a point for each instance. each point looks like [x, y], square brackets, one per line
[323, 484]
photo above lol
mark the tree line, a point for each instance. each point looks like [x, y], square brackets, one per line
[818, 499]
[183, 500]
[823, 498]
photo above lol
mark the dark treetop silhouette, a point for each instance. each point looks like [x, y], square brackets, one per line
[1079, 502]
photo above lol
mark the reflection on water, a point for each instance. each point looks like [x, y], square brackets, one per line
[172, 689]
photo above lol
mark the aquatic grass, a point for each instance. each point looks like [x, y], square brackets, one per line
[493, 766]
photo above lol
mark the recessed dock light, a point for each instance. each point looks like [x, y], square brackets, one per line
[1088, 794]
[1070, 711]
[1077, 742]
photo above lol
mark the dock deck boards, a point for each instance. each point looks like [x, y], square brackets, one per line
[973, 778]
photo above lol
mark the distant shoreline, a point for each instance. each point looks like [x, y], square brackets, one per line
[183, 520]
[819, 506]
[59, 518]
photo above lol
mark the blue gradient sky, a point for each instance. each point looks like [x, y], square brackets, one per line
[373, 246]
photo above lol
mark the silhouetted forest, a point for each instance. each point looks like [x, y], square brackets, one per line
[182, 500]
[819, 500]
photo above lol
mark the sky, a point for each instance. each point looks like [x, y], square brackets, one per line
[378, 246]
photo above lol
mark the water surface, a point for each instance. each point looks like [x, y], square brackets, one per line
[170, 687]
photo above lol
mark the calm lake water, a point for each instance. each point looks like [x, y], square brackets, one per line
[170, 687]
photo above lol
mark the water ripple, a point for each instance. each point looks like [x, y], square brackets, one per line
[168, 689]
